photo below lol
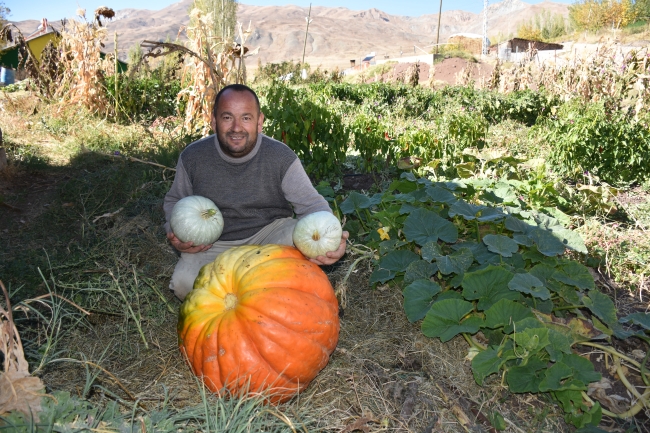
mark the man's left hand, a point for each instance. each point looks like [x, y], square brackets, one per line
[332, 257]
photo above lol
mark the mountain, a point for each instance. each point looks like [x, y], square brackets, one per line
[336, 35]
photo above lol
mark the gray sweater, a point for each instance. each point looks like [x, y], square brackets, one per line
[251, 192]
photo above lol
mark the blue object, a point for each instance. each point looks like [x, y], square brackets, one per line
[6, 76]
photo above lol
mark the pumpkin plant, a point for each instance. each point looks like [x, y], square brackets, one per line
[259, 319]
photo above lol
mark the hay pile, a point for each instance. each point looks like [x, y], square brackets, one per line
[471, 45]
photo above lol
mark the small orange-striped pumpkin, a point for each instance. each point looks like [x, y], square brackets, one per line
[259, 319]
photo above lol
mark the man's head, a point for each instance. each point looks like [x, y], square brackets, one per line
[237, 119]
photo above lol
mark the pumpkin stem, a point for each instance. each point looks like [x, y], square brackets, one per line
[207, 214]
[231, 301]
[315, 236]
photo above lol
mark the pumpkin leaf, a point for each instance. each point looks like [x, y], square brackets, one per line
[431, 250]
[488, 286]
[574, 274]
[505, 313]
[526, 378]
[445, 319]
[423, 226]
[441, 195]
[465, 209]
[486, 363]
[457, 262]
[642, 319]
[602, 306]
[398, 260]
[529, 284]
[502, 245]
[418, 298]
[355, 202]
[420, 269]
[547, 244]
[381, 276]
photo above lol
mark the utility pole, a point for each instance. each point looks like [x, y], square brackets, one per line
[438, 37]
[485, 39]
[304, 48]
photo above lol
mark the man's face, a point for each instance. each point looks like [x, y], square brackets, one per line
[237, 123]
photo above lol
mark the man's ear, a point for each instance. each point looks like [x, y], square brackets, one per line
[260, 123]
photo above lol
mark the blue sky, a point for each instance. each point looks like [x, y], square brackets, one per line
[54, 10]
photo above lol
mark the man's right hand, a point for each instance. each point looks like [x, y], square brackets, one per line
[186, 247]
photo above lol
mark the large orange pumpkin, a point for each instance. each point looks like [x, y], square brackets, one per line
[259, 318]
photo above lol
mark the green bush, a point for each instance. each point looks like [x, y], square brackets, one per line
[145, 98]
[589, 138]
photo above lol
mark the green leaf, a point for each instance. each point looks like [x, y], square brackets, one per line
[479, 251]
[420, 269]
[497, 421]
[526, 378]
[547, 244]
[602, 306]
[528, 283]
[560, 344]
[355, 202]
[517, 225]
[457, 262]
[490, 214]
[523, 240]
[441, 195]
[418, 297]
[554, 376]
[423, 226]
[465, 209]
[571, 239]
[574, 274]
[642, 319]
[398, 260]
[543, 272]
[445, 319]
[390, 245]
[504, 314]
[577, 412]
[583, 369]
[431, 250]
[531, 340]
[488, 286]
[381, 276]
[486, 363]
[500, 244]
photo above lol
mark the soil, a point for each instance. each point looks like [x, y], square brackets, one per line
[446, 72]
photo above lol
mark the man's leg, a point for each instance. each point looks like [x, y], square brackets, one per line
[278, 232]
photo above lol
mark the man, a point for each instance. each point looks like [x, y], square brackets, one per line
[257, 183]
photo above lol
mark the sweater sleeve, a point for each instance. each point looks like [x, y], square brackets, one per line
[181, 187]
[299, 191]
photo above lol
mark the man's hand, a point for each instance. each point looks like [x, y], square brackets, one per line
[186, 247]
[332, 256]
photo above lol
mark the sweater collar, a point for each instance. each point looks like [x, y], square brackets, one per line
[229, 159]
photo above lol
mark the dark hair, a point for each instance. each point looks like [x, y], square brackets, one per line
[235, 88]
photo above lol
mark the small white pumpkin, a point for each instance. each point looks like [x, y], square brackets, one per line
[196, 219]
[317, 233]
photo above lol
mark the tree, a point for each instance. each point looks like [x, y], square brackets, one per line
[4, 13]
[593, 15]
[642, 9]
[224, 16]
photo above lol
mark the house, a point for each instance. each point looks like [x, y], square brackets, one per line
[506, 49]
[37, 41]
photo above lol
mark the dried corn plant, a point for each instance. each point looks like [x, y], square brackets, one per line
[215, 62]
[80, 45]
[619, 79]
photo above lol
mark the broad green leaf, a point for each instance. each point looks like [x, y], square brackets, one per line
[390, 245]
[526, 378]
[418, 297]
[516, 262]
[355, 202]
[577, 412]
[465, 209]
[574, 274]
[404, 198]
[517, 225]
[408, 176]
[542, 272]
[560, 344]
[576, 328]
[523, 240]
[602, 306]
[479, 251]
[497, 421]
[431, 251]
[553, 379]
[547, 244]
[571, 239]
[457, 262]
[531, 340]
[408, 208]
[398, 260]
[505, 313]
[420, 269]
[441, 195]
[642, 319]
[486, 363]
[423, 226]
[381, 276]
[583, 369]
[490, 214]
[527, 283]
[445, 319]
[500, 244]
[488, 286]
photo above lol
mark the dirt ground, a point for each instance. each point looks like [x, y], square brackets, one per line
[446, 72]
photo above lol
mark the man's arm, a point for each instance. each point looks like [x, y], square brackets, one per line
[299, 191]
[181, 187]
